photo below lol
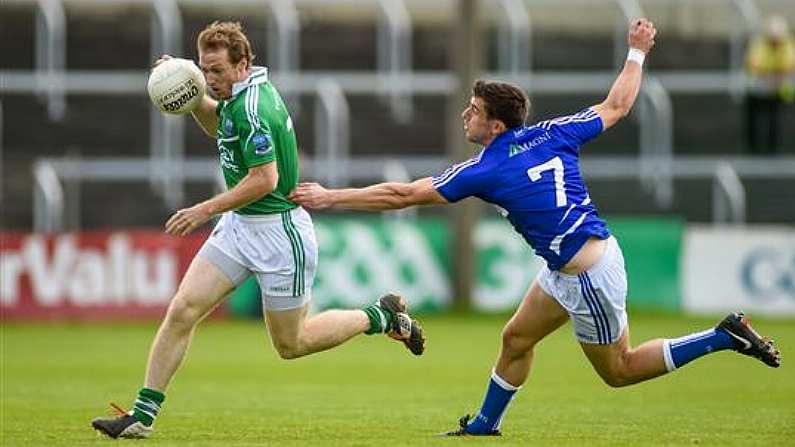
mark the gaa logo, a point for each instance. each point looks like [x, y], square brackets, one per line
[769, 273]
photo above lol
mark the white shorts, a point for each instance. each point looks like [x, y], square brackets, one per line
[594, 299]
[279, 249]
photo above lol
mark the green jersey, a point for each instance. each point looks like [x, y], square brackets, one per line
[255, 128]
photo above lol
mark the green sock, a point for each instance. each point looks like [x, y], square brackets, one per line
[380, 319]
[148, 405]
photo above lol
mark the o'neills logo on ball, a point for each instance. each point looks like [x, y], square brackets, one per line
[174, 100]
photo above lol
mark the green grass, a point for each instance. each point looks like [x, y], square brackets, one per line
[235, 391]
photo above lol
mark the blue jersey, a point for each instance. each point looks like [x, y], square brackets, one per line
[532, 175]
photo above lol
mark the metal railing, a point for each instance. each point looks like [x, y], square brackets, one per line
[747, 23]
[50, 174]
[514, 54]
[728, 195]
[394, 80]
[332, 128]
[284, 44]
[733, 79]
[48, 198]
[51, 55]
[656, 141]
[167, 133]
[655, 119]
[394, 54]
[630, 10]
[1, 151]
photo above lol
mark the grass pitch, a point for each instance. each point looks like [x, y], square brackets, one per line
[233, 389]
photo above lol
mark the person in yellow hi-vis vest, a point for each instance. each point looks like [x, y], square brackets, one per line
[770, 63]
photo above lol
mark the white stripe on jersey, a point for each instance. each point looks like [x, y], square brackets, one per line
[581, 117]
[452, 172]
[555, 244]
[589, 113]
[562, 121]
[584, 202]
[566, 214]
[455, 170]
[251, 100]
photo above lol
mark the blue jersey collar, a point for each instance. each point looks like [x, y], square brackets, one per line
[505, 135]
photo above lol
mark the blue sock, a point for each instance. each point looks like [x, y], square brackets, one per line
[680, 351]
[498, 396]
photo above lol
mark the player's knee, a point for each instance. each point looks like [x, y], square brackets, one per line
[617, 381]
[288, 349]
[288, 354]
[182, 312]
[516, 343]
[616, 377]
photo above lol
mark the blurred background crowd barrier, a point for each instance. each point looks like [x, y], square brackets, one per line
[90, 170]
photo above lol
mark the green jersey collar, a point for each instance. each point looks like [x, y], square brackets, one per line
[258, 76]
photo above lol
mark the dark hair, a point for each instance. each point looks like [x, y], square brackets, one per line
[227, 35]
[505, 102]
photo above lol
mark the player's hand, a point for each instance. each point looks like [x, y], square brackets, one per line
[184, 221]
[641, 35]
[162, 59]
[311, 195]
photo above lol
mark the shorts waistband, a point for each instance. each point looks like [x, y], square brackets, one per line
[267, 218]
[601, 264]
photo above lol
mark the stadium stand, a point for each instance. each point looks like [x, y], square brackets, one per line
[106, 47]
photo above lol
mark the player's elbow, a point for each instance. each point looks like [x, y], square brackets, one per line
[270, 184]
[624, 110]
[403, 196]
[265, 182]
[417, 193]
[259, 189]
[613, 113]
[620, 110]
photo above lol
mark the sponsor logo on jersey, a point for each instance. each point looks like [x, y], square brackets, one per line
[226, 157]
[262, 143]
[519, 148]
[516, 149]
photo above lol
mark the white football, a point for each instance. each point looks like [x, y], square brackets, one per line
[176, 86]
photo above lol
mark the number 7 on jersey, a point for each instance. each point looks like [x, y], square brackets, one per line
[556, 164]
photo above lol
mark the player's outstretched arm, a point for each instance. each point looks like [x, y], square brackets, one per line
[626, 87]
[383, 196]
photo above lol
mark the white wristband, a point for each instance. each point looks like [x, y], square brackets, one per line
[636, 55]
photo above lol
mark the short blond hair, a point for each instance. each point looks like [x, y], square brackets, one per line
[227, 35]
